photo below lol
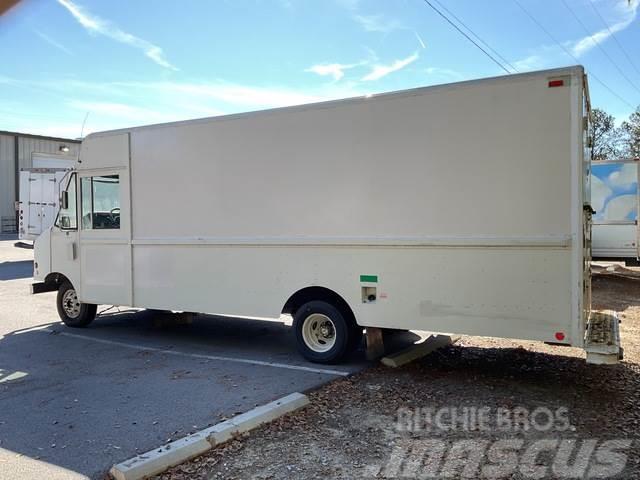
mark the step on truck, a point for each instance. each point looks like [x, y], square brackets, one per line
[460, 208]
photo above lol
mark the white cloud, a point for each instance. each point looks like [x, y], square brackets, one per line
[599, 194]
[52, 42]
[336, 70]
[625, 13]
[621, 207]
[115, 105]
[621, 16]
[377, 23]
[238, 95]
[541, 57]
[63, 129]
[97, 25]
[531, 62]
[420, 41]
[126, 112]
[380, 71]
[625, 177]
[445, 73]
[604, 202]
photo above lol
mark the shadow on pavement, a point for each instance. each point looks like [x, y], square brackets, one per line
[84, 399]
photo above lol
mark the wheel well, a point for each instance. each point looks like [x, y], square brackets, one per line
[309, 294]
[56, 279]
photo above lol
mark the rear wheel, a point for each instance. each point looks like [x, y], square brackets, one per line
[71, 311]
[322, 332]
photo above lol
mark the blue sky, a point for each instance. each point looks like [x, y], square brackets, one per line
[137, 62]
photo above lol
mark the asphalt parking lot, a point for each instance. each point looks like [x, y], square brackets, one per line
[75, 401]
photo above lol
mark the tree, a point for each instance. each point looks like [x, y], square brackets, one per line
[631, 131]
[606, 137]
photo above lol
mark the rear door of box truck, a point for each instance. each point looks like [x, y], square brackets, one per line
[39, 198]
[40, 188]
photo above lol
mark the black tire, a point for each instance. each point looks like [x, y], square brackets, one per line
[339, 336]
[86, 312]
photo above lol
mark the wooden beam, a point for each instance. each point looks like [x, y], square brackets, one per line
[432, 343]
[375, 343]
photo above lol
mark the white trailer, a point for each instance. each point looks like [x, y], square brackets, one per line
[615, 198]
[459, 208]
[39, 193]
[39, 197]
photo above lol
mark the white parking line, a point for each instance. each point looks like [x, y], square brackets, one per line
[198, 355]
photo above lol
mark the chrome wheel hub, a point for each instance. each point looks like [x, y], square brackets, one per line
[71, 304]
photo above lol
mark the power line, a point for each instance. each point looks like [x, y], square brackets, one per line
[615, 37]
[591, 74]
[599, 46]
[493, 50]
[467, 36]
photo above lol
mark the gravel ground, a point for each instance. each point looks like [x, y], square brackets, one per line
[526, 393]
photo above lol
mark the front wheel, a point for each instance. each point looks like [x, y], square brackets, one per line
[72, 312]
[323, 334]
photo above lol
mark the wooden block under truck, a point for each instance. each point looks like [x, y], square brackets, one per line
[460, 208]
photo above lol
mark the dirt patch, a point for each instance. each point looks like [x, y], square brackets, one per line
[383, 422]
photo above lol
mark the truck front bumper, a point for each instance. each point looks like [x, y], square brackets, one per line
[41, 287]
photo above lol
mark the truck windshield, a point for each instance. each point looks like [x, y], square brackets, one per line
[67, 218]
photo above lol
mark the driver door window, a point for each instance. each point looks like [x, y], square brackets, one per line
[100, 202]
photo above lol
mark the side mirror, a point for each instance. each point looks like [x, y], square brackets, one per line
[64, 200]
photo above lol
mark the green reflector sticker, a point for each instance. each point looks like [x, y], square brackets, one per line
[369, 278]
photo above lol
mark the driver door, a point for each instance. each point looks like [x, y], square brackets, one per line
[105, 255]
[64, 235]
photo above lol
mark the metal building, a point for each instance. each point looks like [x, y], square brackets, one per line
[16, 152]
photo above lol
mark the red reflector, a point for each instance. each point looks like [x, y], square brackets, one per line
[556, 83]
[559, 336]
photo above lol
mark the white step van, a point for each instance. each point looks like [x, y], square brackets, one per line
[460, 208]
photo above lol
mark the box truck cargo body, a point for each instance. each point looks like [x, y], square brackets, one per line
[459, 208]
[615, 198]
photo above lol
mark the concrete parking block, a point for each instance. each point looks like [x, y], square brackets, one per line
[174, 453]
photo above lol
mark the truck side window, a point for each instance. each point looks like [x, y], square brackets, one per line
[67, 217]
[101, 202]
